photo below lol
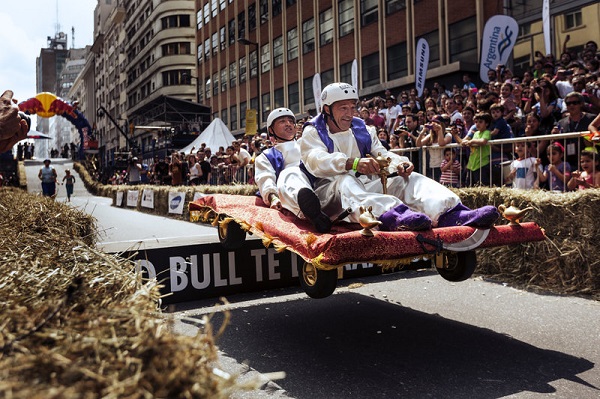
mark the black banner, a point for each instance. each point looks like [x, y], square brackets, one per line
[203, 271]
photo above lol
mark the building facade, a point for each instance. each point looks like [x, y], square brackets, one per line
[284, 43]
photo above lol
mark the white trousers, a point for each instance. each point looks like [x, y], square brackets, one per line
[289, 182]
[418, 192]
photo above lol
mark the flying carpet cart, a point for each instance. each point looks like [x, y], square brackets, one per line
[452, 249]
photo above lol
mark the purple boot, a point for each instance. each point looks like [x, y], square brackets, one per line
[460, 215]
[401, 218]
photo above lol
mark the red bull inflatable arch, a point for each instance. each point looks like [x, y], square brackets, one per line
[48, 105]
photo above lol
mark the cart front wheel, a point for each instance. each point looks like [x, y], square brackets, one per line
[317, 283]
[457, 266]
[231, 235]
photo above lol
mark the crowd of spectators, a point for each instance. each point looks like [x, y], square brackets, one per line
[450, 133]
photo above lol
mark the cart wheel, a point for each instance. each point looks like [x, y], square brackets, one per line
[317, 283]
[457, 266]
[231, 235]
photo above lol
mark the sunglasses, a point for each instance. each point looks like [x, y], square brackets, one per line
[572, 102]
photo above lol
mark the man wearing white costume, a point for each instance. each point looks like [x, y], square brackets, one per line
[281, 182]
[340, 153]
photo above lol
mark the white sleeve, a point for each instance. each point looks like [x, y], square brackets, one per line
[265, 177]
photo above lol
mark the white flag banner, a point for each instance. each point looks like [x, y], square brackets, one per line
[422, 63]
[132, 197]
[354, 74]
[546, 26]
[317, 91]
[499, 36]
[119, 198]
[176, 201]
[148, 198]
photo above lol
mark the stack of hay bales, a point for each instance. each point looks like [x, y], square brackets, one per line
[568, 262]
[76, 322]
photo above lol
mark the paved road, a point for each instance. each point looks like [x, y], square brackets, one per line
[409, 335]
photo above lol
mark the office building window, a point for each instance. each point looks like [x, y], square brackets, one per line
[224, 116]
[325, 27]
[368, 12]
[252, 17]
[207, 88]
[265, 58]
[241, 25]
[223, 79]
[200, 53]
[223, 4]
[292, 44]
[214, 7]
[327, 78]
[278, 100]
[234, 117]
[223, 39]
[278, 51]
[308, 36]
[346, 17]
[200, 93]
[573, 20]
[232, 74]
[231, 29]
[242, 69]
[253, 103]
[397, 61]
[290, 2]
[176, 48]
[463, 40]
[433, 38]
[294, 98]
[206, 13]
[253, 64]
[200, 19]
[307, 90]
[215, 43]
[207, 49]
[276, 7]
[370, 70]
[392, 6]
[346, 72]
[266, 106]
[264, 11]
[215, 83]
[243, 114]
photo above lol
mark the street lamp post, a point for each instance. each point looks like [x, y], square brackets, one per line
[247, 42]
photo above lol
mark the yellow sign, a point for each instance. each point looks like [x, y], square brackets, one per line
[251, 126]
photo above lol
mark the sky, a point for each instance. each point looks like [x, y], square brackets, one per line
[25, 26]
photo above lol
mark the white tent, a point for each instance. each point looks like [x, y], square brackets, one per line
[214, 136]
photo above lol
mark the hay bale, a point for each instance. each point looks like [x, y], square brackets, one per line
[568, 261]
[78, 323]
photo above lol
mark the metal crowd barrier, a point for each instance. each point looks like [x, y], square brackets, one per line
[500, 168]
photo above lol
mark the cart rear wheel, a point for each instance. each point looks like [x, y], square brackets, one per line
[231, 235]
[317, 283]
[457, 266]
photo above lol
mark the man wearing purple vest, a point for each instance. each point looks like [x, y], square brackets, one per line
[281, 182]
[340, 153]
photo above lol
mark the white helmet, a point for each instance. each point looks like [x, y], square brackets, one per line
[335, 92]
[278, 113]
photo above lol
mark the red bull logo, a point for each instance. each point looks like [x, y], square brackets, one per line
[46, 105]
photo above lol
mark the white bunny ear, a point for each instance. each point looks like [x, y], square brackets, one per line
[317, 91]
[355, 74]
